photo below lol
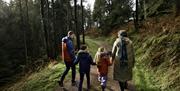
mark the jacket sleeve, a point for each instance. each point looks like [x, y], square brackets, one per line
[95, 58]
[109, 61]
[76, 60]
[63, 48]
[91, 60]
[70, 49]
[114, 49]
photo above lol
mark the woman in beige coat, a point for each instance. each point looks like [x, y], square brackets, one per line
[123, 59]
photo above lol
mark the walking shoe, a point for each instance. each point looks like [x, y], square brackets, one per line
[73, 83]
[99, 79]
[60, 84]
[89, 87]
[126, 85]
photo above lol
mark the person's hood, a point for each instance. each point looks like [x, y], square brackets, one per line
[82, 51]
[127, 40]
[122, 33]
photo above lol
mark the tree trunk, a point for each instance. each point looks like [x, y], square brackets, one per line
[29, 32]
[76, 28]
[144, 9]
[69, 17]
[54, 32]
[82, 25]
[27, 13]
[23, 29]
[177, 7]
[137, 16]
[44, 27]
[49, 32]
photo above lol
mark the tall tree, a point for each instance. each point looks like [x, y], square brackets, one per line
[49, 32]
[143, 8]
[27, 24]
[137, 15]
[76, 26]
[23, 29]
[44, 27]
[82, 22]
[99, 11]
[177, 7]
[111, 13]
[88, 17]
[55, 49]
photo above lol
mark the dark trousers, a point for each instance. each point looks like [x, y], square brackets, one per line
[123, 85]
[73, 68]
[82, 78]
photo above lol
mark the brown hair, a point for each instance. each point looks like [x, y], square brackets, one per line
[70, 33]
[83, 47]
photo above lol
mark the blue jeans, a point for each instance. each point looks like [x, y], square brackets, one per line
[68, 66]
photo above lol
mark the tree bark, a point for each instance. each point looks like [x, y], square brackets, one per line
[82, 21]
[137, 16]
[29, 33]
[50, 33]
[54, 32]
[76, 28]
[177, 7]
[144, 9]
[44, 27]
[50, 55]
[23, 29]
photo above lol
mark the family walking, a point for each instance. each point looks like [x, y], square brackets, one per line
[121, 56]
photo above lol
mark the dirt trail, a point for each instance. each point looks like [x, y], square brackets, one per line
[112, 85]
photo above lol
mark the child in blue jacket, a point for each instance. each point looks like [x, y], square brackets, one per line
[85, 61]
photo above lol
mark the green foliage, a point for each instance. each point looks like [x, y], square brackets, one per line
[12, 49]
[44, 80]
[157, 63]
[64, 14]
[108, 15]
[18, 26]
[156, 7]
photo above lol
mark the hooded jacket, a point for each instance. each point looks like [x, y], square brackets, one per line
[103, 61]
[85, 60]
[123, 73]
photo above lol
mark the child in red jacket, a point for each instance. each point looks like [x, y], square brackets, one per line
[102, 59]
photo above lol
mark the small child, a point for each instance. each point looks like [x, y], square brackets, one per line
[85, 60]
[102, 59]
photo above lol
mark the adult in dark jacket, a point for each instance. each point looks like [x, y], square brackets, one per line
[69, 57]
[85, 60]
